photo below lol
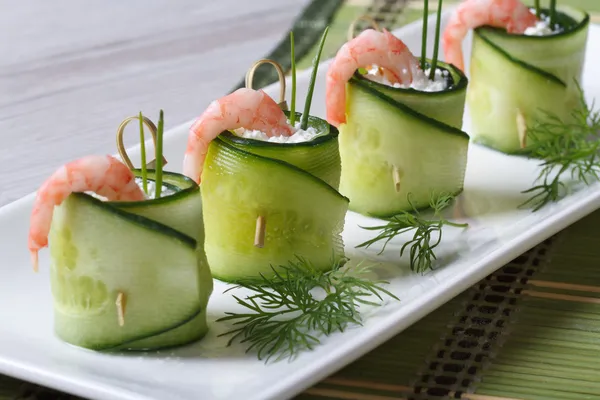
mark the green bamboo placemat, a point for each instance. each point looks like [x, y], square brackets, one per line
[530, 331]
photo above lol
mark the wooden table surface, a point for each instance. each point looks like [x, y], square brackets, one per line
[71, 70]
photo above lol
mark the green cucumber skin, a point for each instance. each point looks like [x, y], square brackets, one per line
[304, 215]
[189, 331]
[380, 133]
[181, 211]
[447, 106]
[319, 157]
[562, 56]
[538, 73]
[96, 244]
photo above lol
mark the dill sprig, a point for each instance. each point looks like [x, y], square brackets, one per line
[285, 316]
[427, 232]
[564, 147]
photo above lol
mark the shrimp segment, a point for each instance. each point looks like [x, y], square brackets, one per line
[244, 108]
[103, 175]
[370, 47]
[512, 15]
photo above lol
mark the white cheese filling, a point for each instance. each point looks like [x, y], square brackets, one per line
[299, 135]
[420, 79]
[166, 191]
[542, 27]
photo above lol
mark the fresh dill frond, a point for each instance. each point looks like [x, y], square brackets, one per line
[285, 316]
[427, 232]
[563, 147]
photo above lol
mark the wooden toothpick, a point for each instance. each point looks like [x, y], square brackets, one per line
[250, 77]
[120, 303]
[259, 235]
[396, 177]
[521, 128]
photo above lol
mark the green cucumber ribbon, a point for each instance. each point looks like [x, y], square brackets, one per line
[130, 275]
[398, 141]
[516, 79]
[267, 203]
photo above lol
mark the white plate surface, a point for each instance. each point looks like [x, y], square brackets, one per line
[209, 370]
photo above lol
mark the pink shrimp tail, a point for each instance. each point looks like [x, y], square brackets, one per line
[452, 54]
[335, 95]
[511, 15]
[35, 260]
[104, 175]
[369, 47]
[244, 108]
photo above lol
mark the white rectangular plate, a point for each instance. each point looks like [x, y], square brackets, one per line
[208, 369]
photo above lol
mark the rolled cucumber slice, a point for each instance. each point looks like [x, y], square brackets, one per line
[398, 141]
[319, 157]
[181, 211]
[302, 214]
[102, 249]
[447, 106]
[514, 77]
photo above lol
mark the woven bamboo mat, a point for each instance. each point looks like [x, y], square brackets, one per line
[530, 331]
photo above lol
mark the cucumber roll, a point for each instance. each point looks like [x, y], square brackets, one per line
[517, 76]
[400, 125]
[127, 264]
[269, 182]
[318, 156]
[267, 203]
[146, 255]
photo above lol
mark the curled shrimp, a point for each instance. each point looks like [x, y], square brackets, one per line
[244, 108]
[103, 175]
[369, 47]
[512, 15]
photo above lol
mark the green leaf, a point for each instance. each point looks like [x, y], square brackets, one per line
[313, 79]
[436, 44]
[424, 34]
[293, 62]
[159, 155]
[143, 154]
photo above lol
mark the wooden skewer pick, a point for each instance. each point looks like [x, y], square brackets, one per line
[121, 303]
[250, 77]
[259, 235]
[396, 177]
[367, 18]
[121, 145]
[521, 128]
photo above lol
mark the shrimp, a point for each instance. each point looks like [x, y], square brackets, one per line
[512, 15]
[104, 175]
[244, 108]
[369, 47]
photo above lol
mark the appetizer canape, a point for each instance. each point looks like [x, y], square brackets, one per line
[128, 269]
[269, 186]
[400, 124]
[525, 63]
